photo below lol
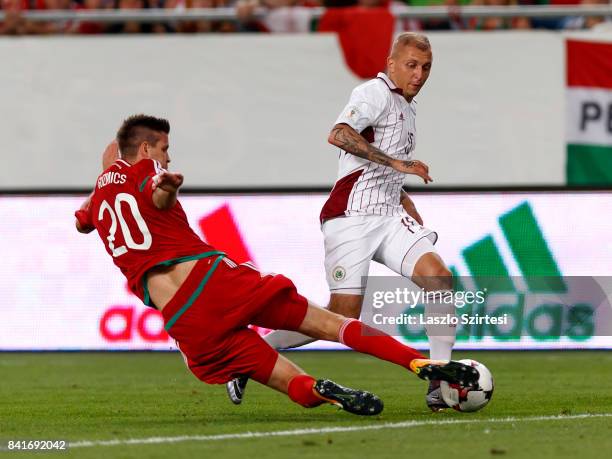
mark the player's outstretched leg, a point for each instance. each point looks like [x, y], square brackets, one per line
[305, 390]
[322, 324]
[345, 305]
[431, 274]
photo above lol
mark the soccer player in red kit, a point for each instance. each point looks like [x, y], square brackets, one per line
[207, 301]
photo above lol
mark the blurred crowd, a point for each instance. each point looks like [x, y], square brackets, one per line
[281, 16]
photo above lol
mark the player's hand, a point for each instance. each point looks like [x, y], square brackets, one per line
[414, 168]
[167, 181]
[84, 222]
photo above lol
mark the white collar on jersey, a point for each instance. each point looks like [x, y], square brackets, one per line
[124, 162]
[389, 83]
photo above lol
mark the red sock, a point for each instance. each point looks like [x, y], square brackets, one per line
[368, 340]
[300, 390]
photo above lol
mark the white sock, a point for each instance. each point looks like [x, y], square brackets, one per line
[283, 339]
[441, 336]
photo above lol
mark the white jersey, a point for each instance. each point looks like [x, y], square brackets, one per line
[377, 110]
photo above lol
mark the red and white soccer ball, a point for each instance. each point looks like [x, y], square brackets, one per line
[466, 398]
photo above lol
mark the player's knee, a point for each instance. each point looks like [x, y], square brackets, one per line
[434, 277]
[442, 279]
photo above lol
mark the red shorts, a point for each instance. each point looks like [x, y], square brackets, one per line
[213, 332]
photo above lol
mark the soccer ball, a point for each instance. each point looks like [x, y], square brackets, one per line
[466, 398]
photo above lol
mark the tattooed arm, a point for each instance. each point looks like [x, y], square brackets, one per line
[409, 207]
[345, 137]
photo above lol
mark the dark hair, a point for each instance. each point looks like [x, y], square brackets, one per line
[137, 129]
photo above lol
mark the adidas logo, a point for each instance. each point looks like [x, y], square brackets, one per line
[528, 248]
[546, 308]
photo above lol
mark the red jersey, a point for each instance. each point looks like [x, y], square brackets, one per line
[135, 233]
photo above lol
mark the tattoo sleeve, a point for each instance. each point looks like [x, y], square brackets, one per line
[345, 137]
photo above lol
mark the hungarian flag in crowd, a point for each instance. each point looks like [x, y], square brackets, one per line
[365, 36]
[589, 113]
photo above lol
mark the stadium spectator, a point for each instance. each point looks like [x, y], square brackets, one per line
[404, 24]
[498, 23]
[291, 16]
[163, 27]
[88, 27]
[55, 27]
[282, 16]
[202, 25]
[588, 22]
[454, 22]
[14, 23]
[134, 27]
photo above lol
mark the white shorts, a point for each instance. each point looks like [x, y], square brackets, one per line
[352, 242]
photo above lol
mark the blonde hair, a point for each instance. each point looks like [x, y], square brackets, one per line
[417, 40]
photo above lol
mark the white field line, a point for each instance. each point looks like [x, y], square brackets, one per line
[325, 430]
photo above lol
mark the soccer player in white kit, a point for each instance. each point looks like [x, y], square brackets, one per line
[368, 216]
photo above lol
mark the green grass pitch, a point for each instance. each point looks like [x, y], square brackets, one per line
[115, 396]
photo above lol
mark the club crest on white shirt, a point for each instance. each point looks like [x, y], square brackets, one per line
[339, 273]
